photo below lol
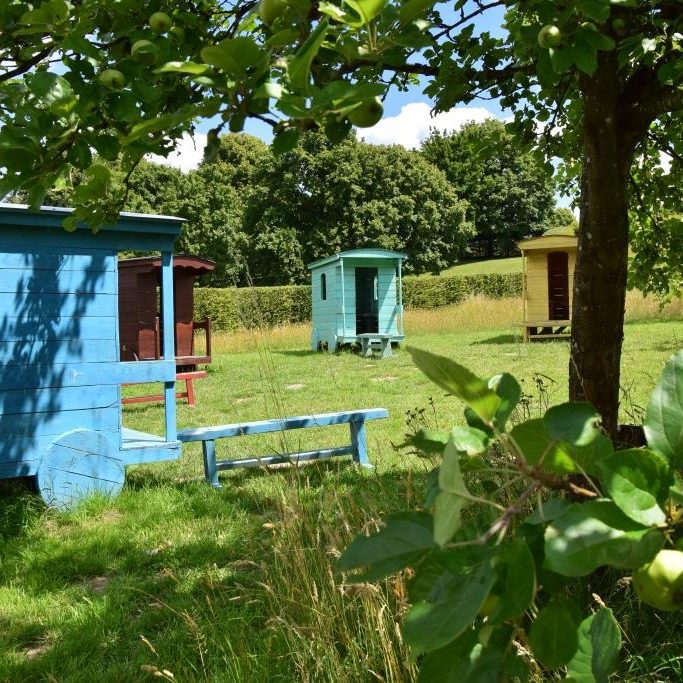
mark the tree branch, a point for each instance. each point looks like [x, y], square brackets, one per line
[23, 67]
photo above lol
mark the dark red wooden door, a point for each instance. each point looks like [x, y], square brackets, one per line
[558, 285]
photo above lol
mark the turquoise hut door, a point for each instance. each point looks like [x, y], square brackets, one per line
[367, 318]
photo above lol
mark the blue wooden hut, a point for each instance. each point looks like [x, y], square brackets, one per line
[357, 294]
[60, 371]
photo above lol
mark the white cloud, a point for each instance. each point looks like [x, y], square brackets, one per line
[186, 156]
[411, 126]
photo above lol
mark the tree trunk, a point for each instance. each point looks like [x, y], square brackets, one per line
[602, 258]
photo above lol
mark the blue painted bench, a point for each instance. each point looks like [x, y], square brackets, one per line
[356, 420]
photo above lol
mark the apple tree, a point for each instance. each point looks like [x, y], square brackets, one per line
[588, 78]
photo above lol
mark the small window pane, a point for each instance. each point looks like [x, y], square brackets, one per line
[323, 287]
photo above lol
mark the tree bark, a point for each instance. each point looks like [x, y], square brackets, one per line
[602, 257]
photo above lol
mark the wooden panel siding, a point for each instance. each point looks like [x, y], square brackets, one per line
[23, 353]
[13, 280]
[88, 327]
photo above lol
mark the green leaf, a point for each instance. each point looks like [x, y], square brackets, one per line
[299, 68]
[635, 479]
[285, 141]
[406, 537]
[552, 636]
[107, 146]
[590, 535]
[598, 10]
[450, 502]
[585, 57]
[458, 381]
[508, 390]
[540, 449]
[548, 511]
[448, 507]
[578, 424]
[431, 625]
[51, 88]
[233, 55]
[517, 570]
[412, 9]
[476, 656]
[664, 418]
[367, 10]
[599, 643]
[561, 59]
[183, 68]
[429, 440]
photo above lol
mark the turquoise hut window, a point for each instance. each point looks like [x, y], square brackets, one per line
[323, 287]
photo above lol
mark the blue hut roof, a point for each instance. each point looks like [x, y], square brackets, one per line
[358, 254]
[52, 216]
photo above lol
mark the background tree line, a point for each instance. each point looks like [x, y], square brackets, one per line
[263, 217]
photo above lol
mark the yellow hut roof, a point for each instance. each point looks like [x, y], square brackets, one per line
[549, 242]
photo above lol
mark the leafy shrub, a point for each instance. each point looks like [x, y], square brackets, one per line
[517, 519]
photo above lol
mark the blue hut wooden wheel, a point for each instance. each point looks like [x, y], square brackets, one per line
[78, 464]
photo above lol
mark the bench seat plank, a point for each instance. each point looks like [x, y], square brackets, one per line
[278, 425]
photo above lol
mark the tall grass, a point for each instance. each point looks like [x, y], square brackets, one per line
[475, 313]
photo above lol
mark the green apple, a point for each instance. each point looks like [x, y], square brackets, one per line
[549, 36]
[160, 22]
[660, 582]
[272, 10]
[144, 51]
[112, 78]
[367, 113]
[619, 26]
[589, 26]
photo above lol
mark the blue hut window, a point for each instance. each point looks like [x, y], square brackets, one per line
[323, 287]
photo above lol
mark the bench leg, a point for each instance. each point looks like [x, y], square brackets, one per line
[386, 348]
[189, 386]
[367, 348]
[359, 444]
[210, 471]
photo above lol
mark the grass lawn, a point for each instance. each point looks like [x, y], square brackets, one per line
[237, 585]
[499, 266]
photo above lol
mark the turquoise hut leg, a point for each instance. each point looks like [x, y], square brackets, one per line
[210, 469]
[359, 444]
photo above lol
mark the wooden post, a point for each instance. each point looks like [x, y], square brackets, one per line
[210, 469]
[168, 341]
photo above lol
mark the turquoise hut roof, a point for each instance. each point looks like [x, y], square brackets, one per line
[358, 254]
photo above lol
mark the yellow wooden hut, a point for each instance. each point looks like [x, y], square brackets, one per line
[548, 280]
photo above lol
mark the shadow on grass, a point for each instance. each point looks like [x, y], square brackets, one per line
[170, 574]
[500, 339]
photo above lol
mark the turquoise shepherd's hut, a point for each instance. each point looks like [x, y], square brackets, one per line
[356, 293]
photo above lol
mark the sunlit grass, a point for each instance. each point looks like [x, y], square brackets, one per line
[239, 584]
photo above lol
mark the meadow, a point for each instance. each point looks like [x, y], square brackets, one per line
[176, 581]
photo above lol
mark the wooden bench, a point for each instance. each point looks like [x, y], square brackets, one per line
[367, 338]
[356, 420]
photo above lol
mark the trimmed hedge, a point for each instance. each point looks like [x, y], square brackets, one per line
[233, 308]
[433, 292]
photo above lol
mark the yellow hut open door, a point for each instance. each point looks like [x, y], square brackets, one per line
[558, 285]
[548, 272]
